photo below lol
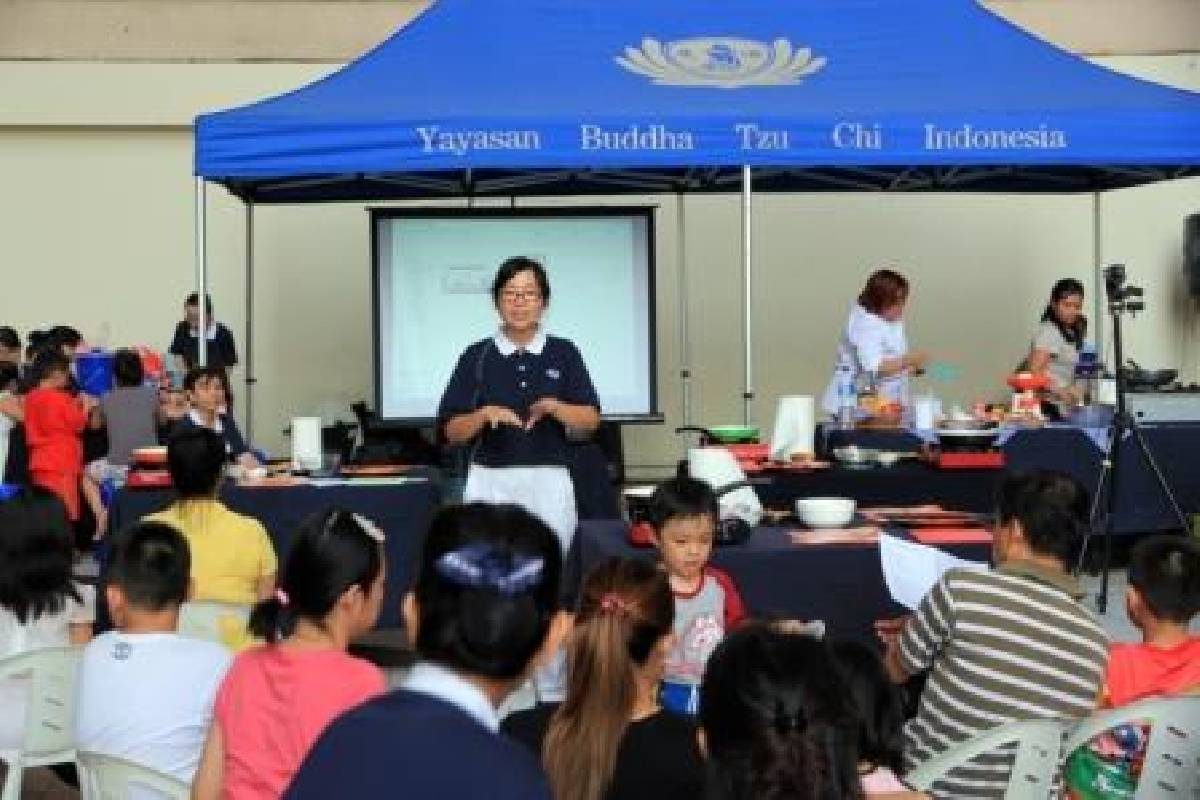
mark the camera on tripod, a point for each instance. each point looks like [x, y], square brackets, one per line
[1122, 297]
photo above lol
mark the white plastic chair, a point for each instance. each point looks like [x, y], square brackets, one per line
[1035, 768]
[103, 777]
[49, 736]
[223, 623]
[1172, 765]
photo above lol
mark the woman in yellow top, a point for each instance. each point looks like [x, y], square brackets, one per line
[233, 560]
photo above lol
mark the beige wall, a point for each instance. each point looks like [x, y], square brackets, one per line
[96, 203]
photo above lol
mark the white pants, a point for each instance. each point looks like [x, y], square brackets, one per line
[545, 492]
[548, 494]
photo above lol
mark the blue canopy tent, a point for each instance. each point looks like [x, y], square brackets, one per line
[541, 97]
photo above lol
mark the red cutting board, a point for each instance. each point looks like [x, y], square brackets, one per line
[952, 535]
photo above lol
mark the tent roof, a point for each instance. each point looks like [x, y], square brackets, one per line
[546, 97]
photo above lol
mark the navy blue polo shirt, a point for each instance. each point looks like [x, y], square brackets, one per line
[235, 445]
[494, 372]
[408, 744]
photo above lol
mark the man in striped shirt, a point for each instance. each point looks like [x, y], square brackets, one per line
[1010, 644]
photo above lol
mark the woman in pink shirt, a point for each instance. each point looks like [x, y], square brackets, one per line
[277, 699]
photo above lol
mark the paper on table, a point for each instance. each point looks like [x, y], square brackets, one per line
[910, 570]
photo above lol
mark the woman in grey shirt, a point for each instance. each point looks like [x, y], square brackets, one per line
[1056, 345]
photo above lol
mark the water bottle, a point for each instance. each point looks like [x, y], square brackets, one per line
[847, 397]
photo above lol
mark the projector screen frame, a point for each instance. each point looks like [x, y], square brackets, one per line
[647, 212]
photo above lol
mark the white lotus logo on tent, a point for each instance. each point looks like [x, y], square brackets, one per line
[721, 63]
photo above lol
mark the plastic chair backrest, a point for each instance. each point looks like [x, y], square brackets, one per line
[103, 777]
[1172, 765]
[50, 709]
[223, 623]
[1035, 769]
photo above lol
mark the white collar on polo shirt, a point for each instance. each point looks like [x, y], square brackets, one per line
[507, 346]
[444, 684]
[217, 427]
[209, 334]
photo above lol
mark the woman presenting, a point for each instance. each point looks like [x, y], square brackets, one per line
[1056, 345]
[873, 347]
[515, 396]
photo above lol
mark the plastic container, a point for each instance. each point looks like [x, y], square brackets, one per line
[94, 371]
[847, 397]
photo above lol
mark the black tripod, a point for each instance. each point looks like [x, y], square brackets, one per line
[1124, 426]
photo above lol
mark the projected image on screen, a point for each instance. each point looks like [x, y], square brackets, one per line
[434, 273]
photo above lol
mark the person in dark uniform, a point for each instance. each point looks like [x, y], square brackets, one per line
[207, 390]
[222, 352]
[514, 397]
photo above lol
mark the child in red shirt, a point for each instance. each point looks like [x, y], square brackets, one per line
[54, 422]
[1162, 599]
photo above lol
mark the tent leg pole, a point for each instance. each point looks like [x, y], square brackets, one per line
[249, 352]
[201, 274]
[685, 343]
[1098, 301]
[747, 332]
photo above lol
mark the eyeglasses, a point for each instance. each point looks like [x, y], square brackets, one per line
[514, 295]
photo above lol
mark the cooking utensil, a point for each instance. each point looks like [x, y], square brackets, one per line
[1138, 378]
[854, 456]
[960, 436]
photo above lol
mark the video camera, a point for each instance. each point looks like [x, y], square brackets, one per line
[1121, 296]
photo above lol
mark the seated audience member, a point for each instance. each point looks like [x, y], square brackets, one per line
[775, 721]
[12, 412]
[481, 615]
[130, 414]
[233, 560]
[1009, 644]
[40, 604]
[10, 346]
[610, 738]
[277, 699]
[879, 712]
[1162, 599]
[684, 516]
[54, 425]
[145, 692]
[207, 392]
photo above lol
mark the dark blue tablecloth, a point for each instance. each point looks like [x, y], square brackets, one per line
[404, 512]
[840, 584]
[1141, 506]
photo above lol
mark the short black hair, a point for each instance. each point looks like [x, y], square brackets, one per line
[151, 564]
[36, 554]
[332, 551]
[682, 497]
[1052, 508]
[487, 588]
[514, 266]
[66, 335]
[127, 368]
[1165, 570]
[9, 374]
[193, 299]
[49, 361]
[197, 374]
[9, 338]
[877, 702]
[196, 459]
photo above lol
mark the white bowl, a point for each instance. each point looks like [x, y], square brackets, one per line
[825, 512]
